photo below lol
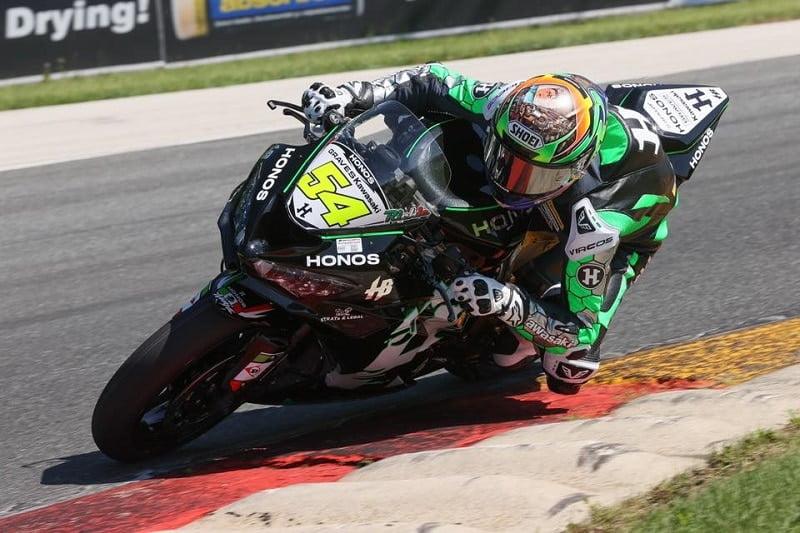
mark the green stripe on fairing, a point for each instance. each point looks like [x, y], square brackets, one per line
[310, 157]
[624, 98]
[366, 234]
[484, 208]
[421, 135]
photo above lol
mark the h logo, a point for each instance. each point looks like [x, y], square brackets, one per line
[304, 210]
[590, 276]
[379, 289]
[700, 101]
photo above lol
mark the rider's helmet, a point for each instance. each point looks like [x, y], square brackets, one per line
[542, 137]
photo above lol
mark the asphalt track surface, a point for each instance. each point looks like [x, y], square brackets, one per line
[96, 254]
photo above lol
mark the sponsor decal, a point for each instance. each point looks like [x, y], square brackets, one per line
[680, 110]
[524, 135]
[379, 289]
[273, 175]
[341, 315]
[230, 300]
[699, 99]
[498, 223]
[583, 222]
[572, 373]
[588, 234]
[197, 18]
[701, 148]
[233, 302]
[482, 90]
[541, 334]
[349, 246]
[337, 190]
[342, 260]
[591, 246]
[303, 210]
[254, 369]
[630, 85]
[591, 275]
[395, 215]
[57, 24]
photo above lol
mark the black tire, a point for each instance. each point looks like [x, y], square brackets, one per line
[184, 361]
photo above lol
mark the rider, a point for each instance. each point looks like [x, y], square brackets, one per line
[554, 149]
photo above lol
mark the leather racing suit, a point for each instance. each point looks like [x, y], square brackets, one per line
[603, 230]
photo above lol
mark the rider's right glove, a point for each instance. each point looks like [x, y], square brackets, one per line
[319, 98]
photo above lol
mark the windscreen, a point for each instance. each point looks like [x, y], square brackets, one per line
[381, 169]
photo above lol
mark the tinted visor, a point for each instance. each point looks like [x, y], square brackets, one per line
[524, 179]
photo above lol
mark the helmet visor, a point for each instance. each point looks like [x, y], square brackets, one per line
[519, 177]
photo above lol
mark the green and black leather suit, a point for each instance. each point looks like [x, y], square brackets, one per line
[607, 225]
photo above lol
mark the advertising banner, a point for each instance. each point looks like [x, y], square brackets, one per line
[44, 37]
[205, 28]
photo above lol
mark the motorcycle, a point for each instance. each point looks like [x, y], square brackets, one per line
[336, 259]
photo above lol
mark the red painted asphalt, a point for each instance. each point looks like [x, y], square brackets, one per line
[179, 498]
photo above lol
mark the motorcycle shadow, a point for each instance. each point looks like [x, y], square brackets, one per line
[440, 411]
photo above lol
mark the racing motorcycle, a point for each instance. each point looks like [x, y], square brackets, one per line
[336, 258]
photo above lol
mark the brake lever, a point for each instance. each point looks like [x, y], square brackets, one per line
[441, 288]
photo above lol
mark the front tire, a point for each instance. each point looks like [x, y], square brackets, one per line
[172, 388]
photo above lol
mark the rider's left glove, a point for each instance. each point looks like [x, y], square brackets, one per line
[319, 98]
[482, 296]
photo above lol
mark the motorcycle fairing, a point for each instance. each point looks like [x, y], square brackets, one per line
[337, 190]
[380, 171]
[685, 117]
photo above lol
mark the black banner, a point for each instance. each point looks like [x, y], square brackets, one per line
[50, 36]
[45, 37]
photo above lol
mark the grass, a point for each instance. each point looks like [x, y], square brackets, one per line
[748, 486]
[403, 52]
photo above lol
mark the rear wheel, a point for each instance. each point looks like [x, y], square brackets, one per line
[174, 387]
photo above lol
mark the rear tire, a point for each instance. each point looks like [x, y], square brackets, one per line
[172, 388]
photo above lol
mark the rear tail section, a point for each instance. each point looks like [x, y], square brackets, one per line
[685, 117]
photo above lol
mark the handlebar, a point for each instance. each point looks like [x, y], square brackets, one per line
[330, 119]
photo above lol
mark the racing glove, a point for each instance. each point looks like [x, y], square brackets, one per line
[319, 98]
[565, 371]
[349, 99]
[482, 295]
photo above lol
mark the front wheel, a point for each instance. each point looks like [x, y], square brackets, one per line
[173, 387]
